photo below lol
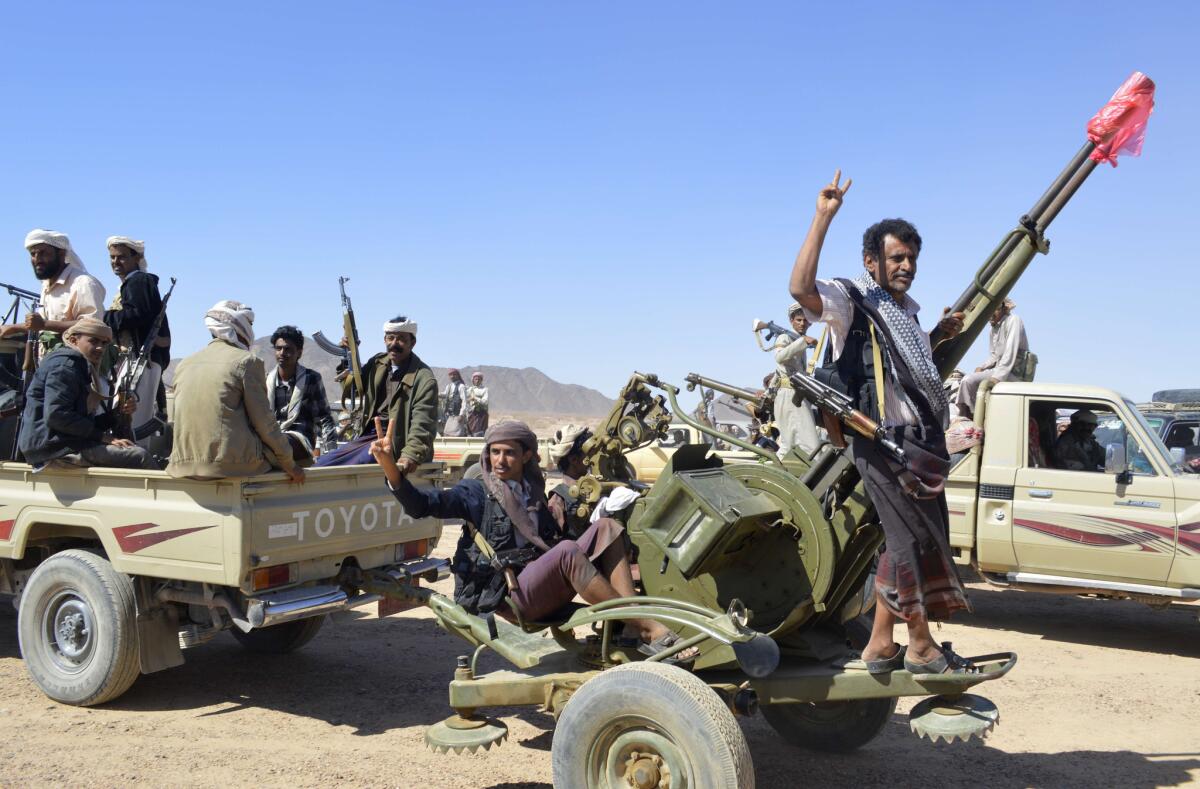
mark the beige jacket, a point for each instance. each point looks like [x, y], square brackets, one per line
[224, 426]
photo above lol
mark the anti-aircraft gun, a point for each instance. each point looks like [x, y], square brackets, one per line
[760, 565]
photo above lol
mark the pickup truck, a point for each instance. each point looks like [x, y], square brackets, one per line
[649, 461]
[1178, 425]
[114, 571]
[1128, 530]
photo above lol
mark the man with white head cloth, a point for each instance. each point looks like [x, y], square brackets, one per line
[131, 317]
[402, 391]
[68, 291]
[224, 424]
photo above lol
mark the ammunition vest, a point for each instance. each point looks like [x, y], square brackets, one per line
[853, 372]
[479, 587]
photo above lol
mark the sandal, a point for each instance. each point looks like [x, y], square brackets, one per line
[948, 662]
[663, 643]
[886, 665]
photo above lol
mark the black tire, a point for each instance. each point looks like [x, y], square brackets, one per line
[658, 711]
[77, 628]
[473, 471]
[280, 639]
[831, 726]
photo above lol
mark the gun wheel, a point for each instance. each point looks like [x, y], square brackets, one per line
[649, 726]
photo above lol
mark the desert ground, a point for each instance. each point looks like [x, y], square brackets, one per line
[1105, 694]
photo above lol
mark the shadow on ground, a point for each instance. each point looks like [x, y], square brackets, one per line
[897, 753]
[1117, 624]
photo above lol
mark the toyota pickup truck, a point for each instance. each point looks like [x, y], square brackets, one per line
[1128, 529]
[114, 571]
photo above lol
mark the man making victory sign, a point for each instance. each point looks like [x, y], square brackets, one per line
[916, 579]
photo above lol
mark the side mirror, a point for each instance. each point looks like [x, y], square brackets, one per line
[1114, 459]
[1115, 463]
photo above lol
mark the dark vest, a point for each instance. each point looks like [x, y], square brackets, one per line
[853, 373]
[478, 587]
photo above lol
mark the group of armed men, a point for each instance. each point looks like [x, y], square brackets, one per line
[231, 420]
[79, 408]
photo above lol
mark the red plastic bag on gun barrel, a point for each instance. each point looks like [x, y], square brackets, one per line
[1120, 126]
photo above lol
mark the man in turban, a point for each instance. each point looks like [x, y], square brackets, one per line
[477, 406]
[797, 428]
[1007, 349]
[131, 317]
[68, 291]
[64, 420]
[401, 390]
[224, 424]
[453, 403]
[507, 521]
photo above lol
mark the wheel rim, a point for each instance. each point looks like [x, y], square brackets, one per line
[635, 752]
[68, 628]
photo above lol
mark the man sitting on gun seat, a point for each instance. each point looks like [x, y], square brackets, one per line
[508, 525]
[63, 420]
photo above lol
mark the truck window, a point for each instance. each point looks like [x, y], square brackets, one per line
[1056, 441]
[675, 438]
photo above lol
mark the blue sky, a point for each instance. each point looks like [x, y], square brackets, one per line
[593, 189]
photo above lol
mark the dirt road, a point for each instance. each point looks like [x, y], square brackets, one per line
[1105, 694]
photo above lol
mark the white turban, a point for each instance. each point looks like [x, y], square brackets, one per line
[565, 440]
[403, 325]
[57, 240]
[231, 321]
[793, 309]
[137, 246]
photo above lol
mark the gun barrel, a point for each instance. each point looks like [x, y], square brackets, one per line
[748, 395]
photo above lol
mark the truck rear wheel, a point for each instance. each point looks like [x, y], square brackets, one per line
[280, 639]
[832, 726]
[649, 724]
[78, 629]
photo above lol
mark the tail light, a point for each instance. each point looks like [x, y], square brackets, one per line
[278, 575]
[412, 550]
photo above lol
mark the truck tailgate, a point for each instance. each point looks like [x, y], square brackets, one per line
[338, 511]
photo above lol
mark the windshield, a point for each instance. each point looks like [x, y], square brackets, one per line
[1155, 439]
[1155, 422]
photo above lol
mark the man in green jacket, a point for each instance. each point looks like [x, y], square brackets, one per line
[401, 390]
[224, 425]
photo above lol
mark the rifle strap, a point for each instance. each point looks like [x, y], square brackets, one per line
[877, 359]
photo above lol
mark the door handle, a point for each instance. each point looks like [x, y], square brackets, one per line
[1041, 494]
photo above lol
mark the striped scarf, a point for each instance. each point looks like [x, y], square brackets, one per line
[904, 331]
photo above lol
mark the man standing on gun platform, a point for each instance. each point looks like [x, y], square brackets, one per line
[131, 318]
[916, 579]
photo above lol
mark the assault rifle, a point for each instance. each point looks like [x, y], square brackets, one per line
[135, 365]
[29, 364]
[838, 405]
[770, 330]
[347, 351]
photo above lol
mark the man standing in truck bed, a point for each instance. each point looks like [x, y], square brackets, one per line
[916, 580]
[402, 391]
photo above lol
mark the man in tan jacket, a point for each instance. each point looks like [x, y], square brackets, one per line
[224, 426]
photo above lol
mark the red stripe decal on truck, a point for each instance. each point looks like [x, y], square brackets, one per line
[132, 540]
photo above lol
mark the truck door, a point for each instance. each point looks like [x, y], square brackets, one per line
[1072, 518]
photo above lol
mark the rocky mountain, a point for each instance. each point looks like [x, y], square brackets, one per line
[526, 390]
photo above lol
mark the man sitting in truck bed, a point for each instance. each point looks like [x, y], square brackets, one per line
[60, 422]
[224, 425]
[505, 516]
[401, 390]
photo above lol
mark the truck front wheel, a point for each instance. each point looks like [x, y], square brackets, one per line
[78, 629]
[280, 639]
